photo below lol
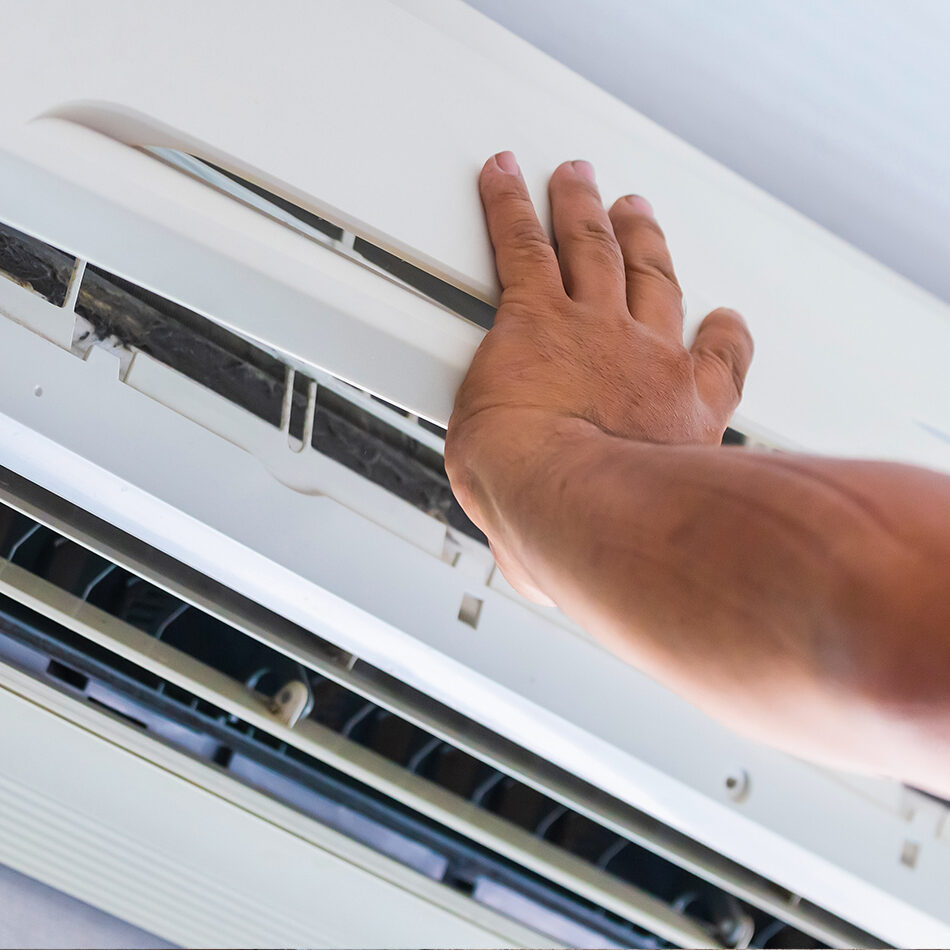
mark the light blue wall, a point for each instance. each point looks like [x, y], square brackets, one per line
[34, 915]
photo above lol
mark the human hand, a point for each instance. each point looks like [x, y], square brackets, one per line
[590, 335]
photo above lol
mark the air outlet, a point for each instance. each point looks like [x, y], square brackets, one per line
[259, 756]
[451, 298]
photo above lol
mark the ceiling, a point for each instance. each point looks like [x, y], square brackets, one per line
[841, 108]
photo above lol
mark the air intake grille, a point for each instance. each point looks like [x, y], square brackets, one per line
[379, 445]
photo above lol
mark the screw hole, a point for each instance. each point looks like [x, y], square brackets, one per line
[37, 390]
[737, 785]
[469, 610]
[910, 853]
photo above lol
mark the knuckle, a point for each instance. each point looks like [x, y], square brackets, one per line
[728, 359]
[536, 252]
[590, 229]
[519, 308]
[506, 189]
[734, 333]
[679, 367]
[636, 226]
[599, 240]
[645, 248]
[650, 267]
[525, 234]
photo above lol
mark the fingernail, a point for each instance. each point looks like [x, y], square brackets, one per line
[641, 205]
[585, 170]
[506, 162]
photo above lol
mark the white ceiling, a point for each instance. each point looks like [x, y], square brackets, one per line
[841, 108]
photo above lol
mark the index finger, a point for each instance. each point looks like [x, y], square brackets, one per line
[523, 254]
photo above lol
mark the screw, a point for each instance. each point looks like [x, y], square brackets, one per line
[737, 785]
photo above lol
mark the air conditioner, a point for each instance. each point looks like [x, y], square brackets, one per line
[260, 680]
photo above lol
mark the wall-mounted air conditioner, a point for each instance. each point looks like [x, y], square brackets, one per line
[268, 685]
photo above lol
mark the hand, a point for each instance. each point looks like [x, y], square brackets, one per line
[591, 335]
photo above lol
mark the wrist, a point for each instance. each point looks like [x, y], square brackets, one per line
[502, 462]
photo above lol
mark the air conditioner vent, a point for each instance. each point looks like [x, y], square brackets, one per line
[147, 698]
[127, 315]
[251, 755]
[457, 301]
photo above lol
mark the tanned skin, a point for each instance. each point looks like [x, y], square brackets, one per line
[803, 601]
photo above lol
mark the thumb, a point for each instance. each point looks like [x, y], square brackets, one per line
[722, 352]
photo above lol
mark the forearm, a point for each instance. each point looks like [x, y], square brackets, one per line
[804, 601]
[794, 597]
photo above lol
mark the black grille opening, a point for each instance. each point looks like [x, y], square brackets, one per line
[295, 211]
[113, 711]
[121, 312]
[67, 675]
[387, 457]
[450, 297]
[222, 361]
[261, 760]
[40, 267]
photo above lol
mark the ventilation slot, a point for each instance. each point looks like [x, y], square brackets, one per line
[460, 303]
[35, 265]
[131, 317]
[305, 218]
[384, 444]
